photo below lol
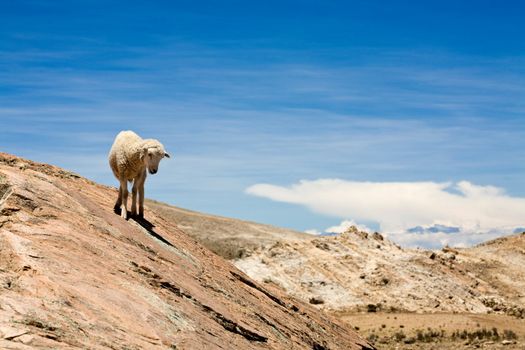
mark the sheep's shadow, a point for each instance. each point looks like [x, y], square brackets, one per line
[148, 226]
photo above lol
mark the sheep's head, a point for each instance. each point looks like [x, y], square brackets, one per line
[152, 153]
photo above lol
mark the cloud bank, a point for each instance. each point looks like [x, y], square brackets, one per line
[412, 213]
[344, 225]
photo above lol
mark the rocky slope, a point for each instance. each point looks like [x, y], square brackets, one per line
[75, 275]
[357, 271]
[230, 238]
[365, 272]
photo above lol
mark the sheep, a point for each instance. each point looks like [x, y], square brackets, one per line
[129, 158]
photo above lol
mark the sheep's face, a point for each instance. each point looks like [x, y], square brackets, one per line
[153, 158]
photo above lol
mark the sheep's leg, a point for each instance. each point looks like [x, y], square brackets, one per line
[141, 195]
[119, 199]
[134, 196]
[124, 204]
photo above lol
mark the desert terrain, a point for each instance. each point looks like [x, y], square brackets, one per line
[74, 275]
[396, 297]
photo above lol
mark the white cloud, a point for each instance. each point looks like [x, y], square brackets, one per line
[479, 212]
[313, 232]
[344, 225]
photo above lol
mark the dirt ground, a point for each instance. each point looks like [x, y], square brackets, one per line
[439, 331]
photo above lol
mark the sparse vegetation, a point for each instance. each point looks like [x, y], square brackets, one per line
[484, 334]
[372, 338]
[399, 336]
[429, 335]
[444, 331]
[509, 335]
[372, 308]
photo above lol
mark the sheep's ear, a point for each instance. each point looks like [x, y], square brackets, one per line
[143, 153]
[166, 155]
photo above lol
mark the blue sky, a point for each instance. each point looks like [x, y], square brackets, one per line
[245, 94]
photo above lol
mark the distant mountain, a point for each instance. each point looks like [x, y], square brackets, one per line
[434, 229]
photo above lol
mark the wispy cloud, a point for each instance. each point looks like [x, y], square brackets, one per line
[398, 207]
[235, 116]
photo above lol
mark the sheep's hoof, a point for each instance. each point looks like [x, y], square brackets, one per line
[137, 216]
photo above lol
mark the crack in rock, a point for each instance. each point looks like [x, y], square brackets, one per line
[231, 326]
[252, 284]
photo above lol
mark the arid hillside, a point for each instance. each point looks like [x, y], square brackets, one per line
[230, 238]
[73, 275]
[396, 297]
[357, 271]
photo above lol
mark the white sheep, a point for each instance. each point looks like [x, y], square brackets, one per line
[129, 158]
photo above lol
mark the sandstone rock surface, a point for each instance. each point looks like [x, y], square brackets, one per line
[73, 275]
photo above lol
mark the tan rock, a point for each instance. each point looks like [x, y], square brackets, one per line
[75, 275]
